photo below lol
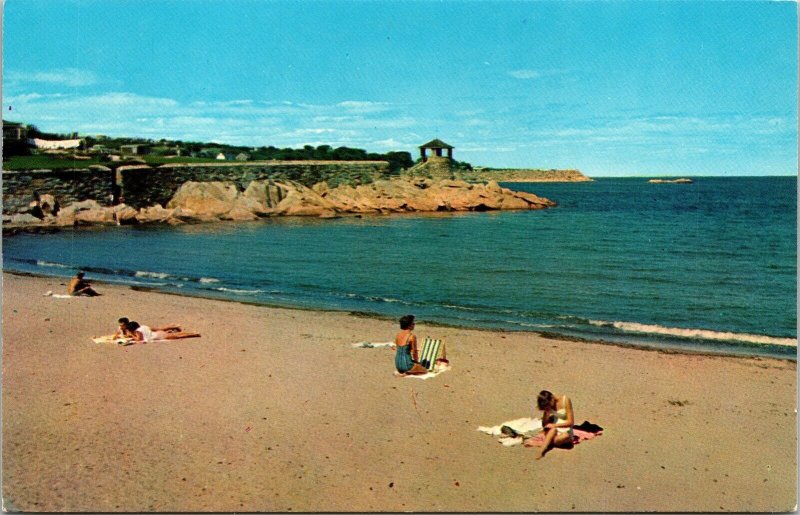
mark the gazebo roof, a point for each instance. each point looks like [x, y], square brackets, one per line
[436, 143]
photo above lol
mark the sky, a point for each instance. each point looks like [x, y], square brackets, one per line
[636, 88]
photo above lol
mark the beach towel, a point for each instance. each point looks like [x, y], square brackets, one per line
[372, 345]
[60, 296]
[532, 428]
[437, 369]
[524, 426]
[109, 338]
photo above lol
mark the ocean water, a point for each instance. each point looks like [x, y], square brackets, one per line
[709, 266]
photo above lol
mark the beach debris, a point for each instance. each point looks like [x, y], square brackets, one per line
[391, 485]
[414, 400]
[679, 403]
[372, 345]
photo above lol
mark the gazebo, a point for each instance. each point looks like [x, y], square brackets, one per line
[436, 146]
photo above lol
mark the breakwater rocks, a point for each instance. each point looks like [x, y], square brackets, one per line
[524, 175]
[224, 200]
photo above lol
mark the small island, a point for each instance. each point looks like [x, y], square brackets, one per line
[683, 180]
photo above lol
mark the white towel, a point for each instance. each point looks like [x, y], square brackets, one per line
[59, 296]
[370, 345]
[109, 338]
[525, 426]
[437, 369]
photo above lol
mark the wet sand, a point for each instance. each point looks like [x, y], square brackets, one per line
[274, 410]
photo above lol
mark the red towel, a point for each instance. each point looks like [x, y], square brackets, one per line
[578, 437]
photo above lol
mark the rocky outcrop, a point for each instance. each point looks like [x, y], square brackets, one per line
[436, 168]
[524, 175]
[682, 180]
[212, 201]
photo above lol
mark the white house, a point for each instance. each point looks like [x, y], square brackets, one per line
[55, 144]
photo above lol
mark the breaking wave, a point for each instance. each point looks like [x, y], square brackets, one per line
[699, 334]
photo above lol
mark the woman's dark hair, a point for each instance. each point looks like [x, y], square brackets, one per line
[545, 400]
[123, 320]
[406, 321]
[132, 326]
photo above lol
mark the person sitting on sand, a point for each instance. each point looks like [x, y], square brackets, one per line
[405, 358]
[557, 422]
[78, 287]
[145, 334]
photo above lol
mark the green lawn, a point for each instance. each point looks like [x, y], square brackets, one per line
[160, 160]
[54, 163]
[45, 162]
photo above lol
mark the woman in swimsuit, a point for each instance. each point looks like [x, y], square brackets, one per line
[405, 358]
[557, 422]
[145, 334]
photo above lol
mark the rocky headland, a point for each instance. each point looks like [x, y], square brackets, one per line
[223, 200]
[525, 175]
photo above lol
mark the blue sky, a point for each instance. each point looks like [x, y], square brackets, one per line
[610, 88]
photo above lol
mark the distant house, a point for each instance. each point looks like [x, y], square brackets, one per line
[13, 131]
[242, 156]
[134, 150]
[99, 149]
[47, 144]
[220, 157]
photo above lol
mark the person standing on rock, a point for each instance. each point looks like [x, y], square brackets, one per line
[78, 287]
[35, 207]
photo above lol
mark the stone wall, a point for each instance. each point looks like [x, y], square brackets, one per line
[66, 186]
[145, 186]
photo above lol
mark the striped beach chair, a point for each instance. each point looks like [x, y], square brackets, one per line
[432, 349]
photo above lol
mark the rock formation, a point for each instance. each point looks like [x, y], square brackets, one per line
[212, 201]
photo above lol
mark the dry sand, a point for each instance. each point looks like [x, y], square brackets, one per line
[273, 410]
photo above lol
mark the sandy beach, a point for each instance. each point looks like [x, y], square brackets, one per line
[274, 410]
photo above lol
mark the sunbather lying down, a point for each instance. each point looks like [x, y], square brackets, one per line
[144, 334]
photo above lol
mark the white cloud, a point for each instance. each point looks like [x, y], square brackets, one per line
[357, 106]
[240, 121]
[72, 77]
[525, 74]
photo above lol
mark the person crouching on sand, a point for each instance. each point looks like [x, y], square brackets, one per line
[145, 334]
[77, 287]
[557, 422]
[405, 359]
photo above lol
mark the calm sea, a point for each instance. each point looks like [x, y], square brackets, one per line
[710, 266]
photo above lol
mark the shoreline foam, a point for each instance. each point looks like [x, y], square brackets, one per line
[665, 347]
